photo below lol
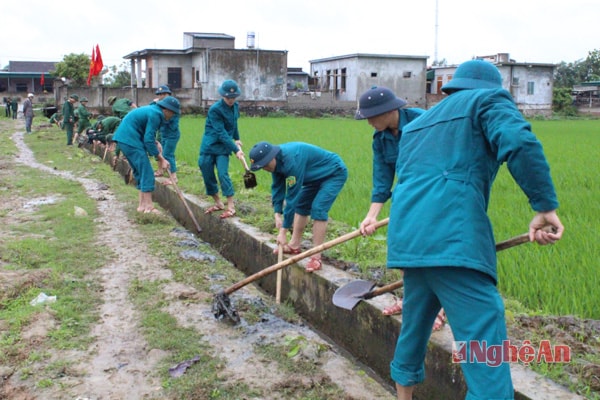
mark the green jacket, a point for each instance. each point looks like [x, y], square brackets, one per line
[68, 112]
[84, 117]
[121, 107]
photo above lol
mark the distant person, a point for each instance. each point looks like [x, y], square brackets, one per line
[306, 181]
[14, 106]
[7, 107]
[28, 112]
[121, 107]
[439, 231]
[83, 118]
[68, 112]
[221, 139]
[387, 114]
[136, 137]
[169, 137]
[102, 132]
[56, 119]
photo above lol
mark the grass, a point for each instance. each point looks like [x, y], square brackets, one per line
[561, 279]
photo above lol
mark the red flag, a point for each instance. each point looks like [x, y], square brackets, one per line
[42, 80]
[92, 67]
[98, 64]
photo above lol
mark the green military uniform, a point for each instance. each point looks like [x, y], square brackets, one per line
[83, 115]
[56, 119]
[121, 107]
[14, 105]
[68, 112]
[104, 129]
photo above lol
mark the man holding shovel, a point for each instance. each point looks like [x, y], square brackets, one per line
[386, 114]
[136, 137]
[307, 179]
[169, 137]
[439, 232]
[221, 139]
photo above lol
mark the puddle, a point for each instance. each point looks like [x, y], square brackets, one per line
[41, 201]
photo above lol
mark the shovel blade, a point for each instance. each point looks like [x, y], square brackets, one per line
[249, 180]
[349, 295]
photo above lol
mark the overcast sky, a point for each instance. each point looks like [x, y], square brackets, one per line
[537, 31]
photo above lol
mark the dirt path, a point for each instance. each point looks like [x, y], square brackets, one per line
[120, 365]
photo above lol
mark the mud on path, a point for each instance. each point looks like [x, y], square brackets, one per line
[119, 364]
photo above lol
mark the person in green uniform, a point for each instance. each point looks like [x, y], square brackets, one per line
[83, 118]
[120, 107]
[439, 232]
[103, 129]
[388, 115]
[169, 137]
[56, 119]
[221, 138]
[14, 105]
[68, 112]
[7, 105]
[306, 181]
[136, 136]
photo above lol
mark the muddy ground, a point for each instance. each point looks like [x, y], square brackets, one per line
[120, 365]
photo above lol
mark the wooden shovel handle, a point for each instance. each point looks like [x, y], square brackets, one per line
[298, 257]
[183, 200]
[244, 163]
[506, 244]
[522, 238]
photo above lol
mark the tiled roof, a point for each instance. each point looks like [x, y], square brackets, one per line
[31, 66]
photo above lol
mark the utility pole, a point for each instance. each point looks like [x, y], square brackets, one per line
[435, 50]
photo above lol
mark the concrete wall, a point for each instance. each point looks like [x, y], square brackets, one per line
[261, 74]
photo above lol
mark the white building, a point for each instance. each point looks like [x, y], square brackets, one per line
[530, 84]
[347, 77]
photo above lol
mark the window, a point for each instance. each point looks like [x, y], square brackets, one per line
[343, 83]
[406, 74]
[515, 81]
[530, 87]
[373, 74]
[21, 87]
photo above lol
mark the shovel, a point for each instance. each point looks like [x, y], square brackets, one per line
[349, 295]
[222, 304]
[249, 177]
[187, 206]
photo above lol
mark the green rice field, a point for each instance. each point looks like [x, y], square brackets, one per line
[562, 279]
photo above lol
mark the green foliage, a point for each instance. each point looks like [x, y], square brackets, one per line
[562, 102]
[117, 77]
[566, 75]
[74, 67]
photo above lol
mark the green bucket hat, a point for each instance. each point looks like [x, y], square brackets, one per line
[170, 103]
[376, 101]
[261, 154]
[229, 89]
[474, 74]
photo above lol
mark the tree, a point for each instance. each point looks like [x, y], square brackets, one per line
[118, 77]
[569, 74]
[562, 102]
[73, 67]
